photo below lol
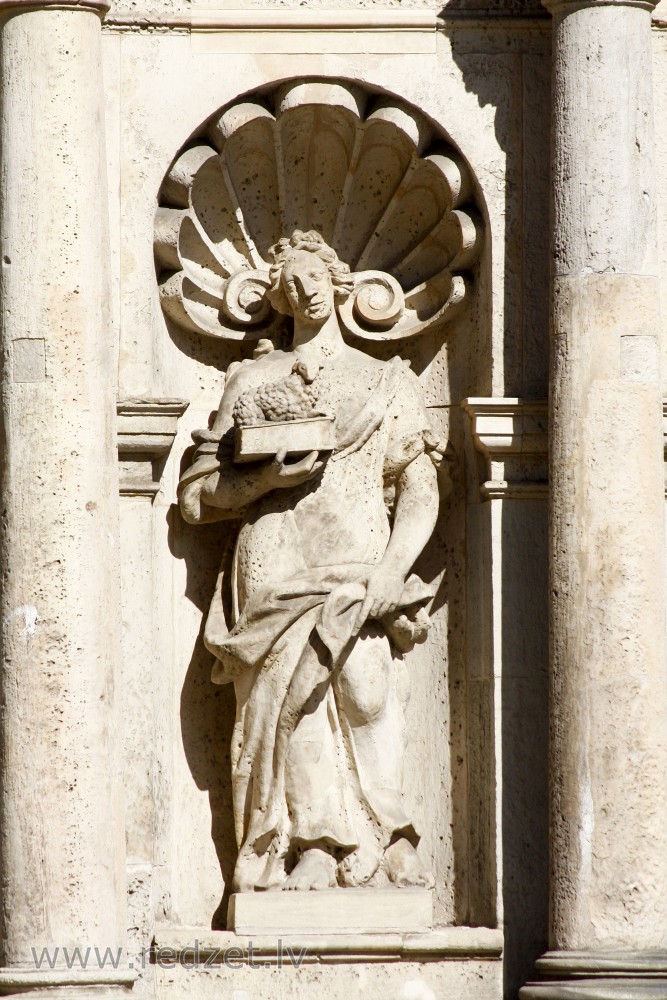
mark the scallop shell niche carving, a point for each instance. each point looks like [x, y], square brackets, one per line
[381, 185]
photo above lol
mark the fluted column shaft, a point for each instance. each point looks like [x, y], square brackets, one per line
[608, 749]
[61, 823]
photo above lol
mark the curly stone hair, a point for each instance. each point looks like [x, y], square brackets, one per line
[311, 242]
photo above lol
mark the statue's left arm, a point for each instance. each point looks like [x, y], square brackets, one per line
[415, 515]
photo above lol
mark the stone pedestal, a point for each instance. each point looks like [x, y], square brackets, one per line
[352, 911]
[61, 818]
[608, 733]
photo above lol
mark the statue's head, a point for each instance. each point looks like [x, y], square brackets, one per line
[307, 278]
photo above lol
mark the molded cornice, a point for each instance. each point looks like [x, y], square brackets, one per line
[511, 435]
[564, 7]
[9, 8]
[146, 431]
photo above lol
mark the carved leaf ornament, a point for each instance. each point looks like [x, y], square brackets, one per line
[388, 194]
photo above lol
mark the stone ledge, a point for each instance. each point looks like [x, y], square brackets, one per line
[508, 426]
[509, 431]
[267, 30]
[148, 426]
[146, 430]
[511, 434]
[277, 19]
[601, 963]
[564, 7]
[601, 975]
[501, 489]
[356, 19]
[592, 989]
[201, 945]
[22, 979]
[11, 7]
[458, 13]
[350, 911]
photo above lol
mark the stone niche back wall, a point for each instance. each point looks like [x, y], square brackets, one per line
[438, 757]
[481, 88]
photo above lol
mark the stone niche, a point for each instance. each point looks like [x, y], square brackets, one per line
[389, 192]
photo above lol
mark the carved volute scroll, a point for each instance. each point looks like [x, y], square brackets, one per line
[391, 196]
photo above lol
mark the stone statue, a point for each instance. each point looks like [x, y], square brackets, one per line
[313, 617]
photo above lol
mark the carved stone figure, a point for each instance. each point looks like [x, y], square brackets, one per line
[313, 617]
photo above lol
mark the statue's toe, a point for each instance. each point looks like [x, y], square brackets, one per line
[403, 866]
[316, 869]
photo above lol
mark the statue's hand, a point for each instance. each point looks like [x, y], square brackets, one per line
[280, 475]
[384, 589]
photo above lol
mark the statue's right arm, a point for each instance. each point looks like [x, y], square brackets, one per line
[213, 488]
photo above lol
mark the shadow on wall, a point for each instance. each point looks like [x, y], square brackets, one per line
[524, 723]
[502, 8]
[207, 710]
[510, 71]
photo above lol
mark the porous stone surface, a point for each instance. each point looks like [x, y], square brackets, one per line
[473, 94]
[164, 87]
[608, 619]
[314, 620]
[377, 981]
[354, 911]
[485, 96]
[62, 840]
[150, 9]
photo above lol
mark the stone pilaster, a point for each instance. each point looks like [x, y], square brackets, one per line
[61, 821]
[608, 754]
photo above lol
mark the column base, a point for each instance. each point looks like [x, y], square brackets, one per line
[590, 975]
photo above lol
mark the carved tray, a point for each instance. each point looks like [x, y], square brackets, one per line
[298, 436]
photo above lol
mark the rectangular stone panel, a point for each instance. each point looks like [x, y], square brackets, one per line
[345, 910]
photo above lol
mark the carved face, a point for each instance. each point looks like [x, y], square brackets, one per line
[308, 287]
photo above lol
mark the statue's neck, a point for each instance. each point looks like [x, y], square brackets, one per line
[323, 339]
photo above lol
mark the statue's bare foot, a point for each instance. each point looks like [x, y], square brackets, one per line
[359, 867]
[403, 867]
[316, 869]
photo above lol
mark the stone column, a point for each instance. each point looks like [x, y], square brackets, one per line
[608, 728]
[61, 821]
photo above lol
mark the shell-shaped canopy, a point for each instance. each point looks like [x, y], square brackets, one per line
[387, 193]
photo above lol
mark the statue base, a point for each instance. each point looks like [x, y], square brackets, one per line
[345, 911]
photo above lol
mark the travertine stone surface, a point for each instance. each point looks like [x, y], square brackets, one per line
[318, 747]
[192, 883]
[368, 174]
[145, 430]
[476, 752]
[660, 98]
[511, 435]
[146, 10]
[485, 93]
[61, 845]
[609, 717]
[458, 961]
[351, 911]
[314, 619]
[382, 980]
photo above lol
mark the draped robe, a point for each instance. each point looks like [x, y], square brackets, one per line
[318, 740]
